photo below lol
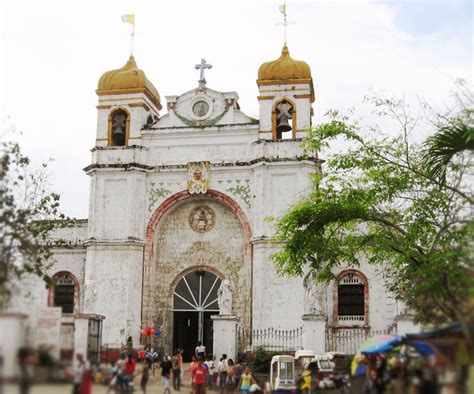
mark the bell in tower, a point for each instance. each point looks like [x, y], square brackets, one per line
[119, 124]
[284, 112]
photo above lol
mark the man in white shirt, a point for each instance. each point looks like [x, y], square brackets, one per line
[200, 351]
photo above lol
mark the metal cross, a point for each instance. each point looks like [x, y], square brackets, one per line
[202, 66]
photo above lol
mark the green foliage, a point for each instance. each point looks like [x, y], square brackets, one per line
[454, 135]
[28, 213]
[260, 361]
[375, 202]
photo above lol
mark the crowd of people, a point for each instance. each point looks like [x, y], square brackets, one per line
[397, 374]
[227, 377]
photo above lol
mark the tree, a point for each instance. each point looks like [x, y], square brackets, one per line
[454, 135]
[376, 202]
[28, 214]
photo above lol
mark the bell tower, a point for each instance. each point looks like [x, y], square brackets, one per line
[286, 94]
[128, 103]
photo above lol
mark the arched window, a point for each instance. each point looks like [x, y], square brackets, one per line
[118, 127]
[351, 299]
[64, 294]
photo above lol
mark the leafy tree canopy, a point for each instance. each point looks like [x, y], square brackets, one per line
[378, 201]
[28, 214]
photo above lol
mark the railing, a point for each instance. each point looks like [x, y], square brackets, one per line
[270, 339]
[348, 340]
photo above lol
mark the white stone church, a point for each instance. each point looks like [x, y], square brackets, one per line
[178, 202]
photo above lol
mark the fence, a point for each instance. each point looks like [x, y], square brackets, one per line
[348, 340]
[66, 341]
[270, 339]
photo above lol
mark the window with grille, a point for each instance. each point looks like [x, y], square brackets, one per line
[350, 296]
[64, 293]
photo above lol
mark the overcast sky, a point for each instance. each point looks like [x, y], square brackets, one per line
[53, 53]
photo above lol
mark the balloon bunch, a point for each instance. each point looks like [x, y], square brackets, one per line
[150, 331]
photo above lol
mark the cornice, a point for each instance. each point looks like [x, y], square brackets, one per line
[250, 163]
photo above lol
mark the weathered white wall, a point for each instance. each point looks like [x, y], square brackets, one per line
[113, 288]
[277, 301]
[12, 338]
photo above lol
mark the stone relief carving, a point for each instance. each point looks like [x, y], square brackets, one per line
[202, 219]
[198, 177]
[224, 297]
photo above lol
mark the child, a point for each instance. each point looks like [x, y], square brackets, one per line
[209, 364]
[246, 381]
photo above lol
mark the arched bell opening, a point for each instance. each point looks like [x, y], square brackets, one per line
[284, 120]
[119, 127]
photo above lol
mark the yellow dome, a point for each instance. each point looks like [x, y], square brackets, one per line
[128, 79]
[284, 68]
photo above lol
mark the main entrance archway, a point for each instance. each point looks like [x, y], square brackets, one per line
[194, 302]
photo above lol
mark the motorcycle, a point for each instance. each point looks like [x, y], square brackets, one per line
[343, 383]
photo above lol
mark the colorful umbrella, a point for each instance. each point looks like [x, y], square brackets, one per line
[358, 367]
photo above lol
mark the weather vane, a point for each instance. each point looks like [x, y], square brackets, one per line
[130, 18]
[285, 22]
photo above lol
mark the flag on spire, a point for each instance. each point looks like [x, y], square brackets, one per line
[129, 18]
[282, 8]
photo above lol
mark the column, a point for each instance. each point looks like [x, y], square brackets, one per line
[225, 335]
[314, 332]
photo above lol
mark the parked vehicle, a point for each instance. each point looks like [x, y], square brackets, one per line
[302, 359]
[325, 371]
[282, 373]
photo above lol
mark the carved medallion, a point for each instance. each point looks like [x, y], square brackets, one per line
[198, 177]
[202, 219]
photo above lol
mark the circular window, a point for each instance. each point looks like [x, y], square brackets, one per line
[200, 109]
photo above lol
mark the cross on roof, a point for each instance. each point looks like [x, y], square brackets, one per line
[202, 66]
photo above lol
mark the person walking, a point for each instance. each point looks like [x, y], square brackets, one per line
[166, 367]
[82, 381]
[230, 386]
[128, 371]
[192, 364]
[209, 364]
[177, 370]
[26, 359]
[145, 371]
[199, 373]
[222, 371]
[246, 381]
[181, 352]
[239, 371]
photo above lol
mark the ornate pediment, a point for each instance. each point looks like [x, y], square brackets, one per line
[203, 107]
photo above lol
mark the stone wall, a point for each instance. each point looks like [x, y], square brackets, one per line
[180, 248]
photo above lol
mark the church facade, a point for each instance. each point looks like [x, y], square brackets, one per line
[178, 206]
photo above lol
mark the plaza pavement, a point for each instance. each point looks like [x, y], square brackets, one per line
[154, 387]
